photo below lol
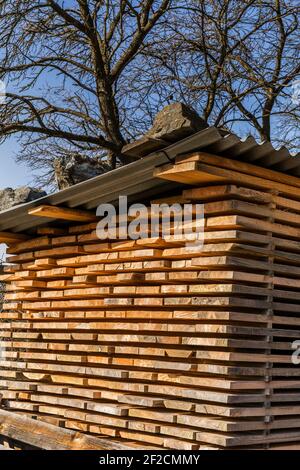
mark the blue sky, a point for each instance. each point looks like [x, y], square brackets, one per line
[12, 174]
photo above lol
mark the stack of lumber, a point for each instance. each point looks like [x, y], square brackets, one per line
[23, 433]
[147, 341]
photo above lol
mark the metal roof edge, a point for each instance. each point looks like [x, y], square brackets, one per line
[136, 177]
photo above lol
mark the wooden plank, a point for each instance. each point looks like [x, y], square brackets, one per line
[48, 230]
[240, 166]
[62, 213]
[9, 237]
[195, 172]
[40, 242]
[49, 437]
[188, 173]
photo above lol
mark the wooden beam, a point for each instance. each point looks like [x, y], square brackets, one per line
[198, 173]
[242, 167]
[7, 237]
[187, 173]
[50, 231]
[49, 437]
[62, 213]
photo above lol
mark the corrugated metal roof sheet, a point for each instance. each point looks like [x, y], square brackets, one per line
[136, 179]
